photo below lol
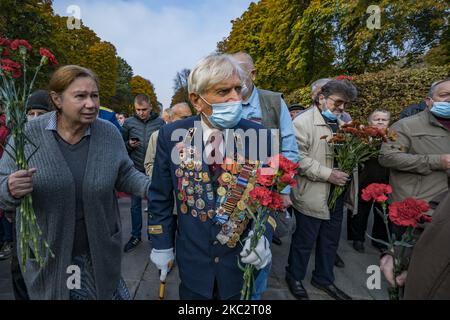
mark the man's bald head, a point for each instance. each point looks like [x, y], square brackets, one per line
[180, 111]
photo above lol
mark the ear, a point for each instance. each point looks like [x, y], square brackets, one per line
[321, 99]
[253, 75]
[56, 99]
[196, 102]
[429, 102]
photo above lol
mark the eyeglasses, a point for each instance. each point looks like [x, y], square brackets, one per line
[338, 103]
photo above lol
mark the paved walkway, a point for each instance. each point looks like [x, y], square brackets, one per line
[143, 282]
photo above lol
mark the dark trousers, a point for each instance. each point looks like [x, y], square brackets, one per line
[357, 225]
[187, 294]
[19, 287]
[136, 216]
[325, 234]
[6, 232]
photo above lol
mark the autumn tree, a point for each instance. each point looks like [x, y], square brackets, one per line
[139, 85]
[180, 88]
[123, 98]
[102, 60]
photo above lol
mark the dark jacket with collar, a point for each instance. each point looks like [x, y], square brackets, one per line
[134, 127]
[200, 257]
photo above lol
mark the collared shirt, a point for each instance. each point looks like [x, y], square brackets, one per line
[207, 131]
[251, 110]
[53, 121]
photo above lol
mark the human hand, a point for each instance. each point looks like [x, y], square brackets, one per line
[387, 267]
[260, 256]
[20, 183]
[287, 202]
[338, 177]
[162, 259]
[134, 143]
[445, 161]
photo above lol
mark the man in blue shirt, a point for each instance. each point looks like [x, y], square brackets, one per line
[269, 109]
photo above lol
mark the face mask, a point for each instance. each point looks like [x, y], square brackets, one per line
[225, 115]
[329, 115]
[441, 109]
[29, 118]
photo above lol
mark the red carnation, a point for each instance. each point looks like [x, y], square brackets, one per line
[277, 203]
[20, 43]
[261, 195]
[267, 178]
[349, 78]
[288, 180]
[409, 212]
[47, 53]
[5, 42]
[281, 162]
[8, 65]
[377, 192]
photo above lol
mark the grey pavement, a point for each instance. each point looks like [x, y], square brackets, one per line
[142, 277]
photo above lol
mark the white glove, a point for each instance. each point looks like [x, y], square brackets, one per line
[260, 256]
[162, 258]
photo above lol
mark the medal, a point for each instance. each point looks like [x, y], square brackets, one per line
[205, 177]
[200, 204]
[190, 191]
[179, 173]
[194, 213]
[184, 208]
[241, 205]
[180, 196]
[210, 196]
[209, 187]
[190, 201]
[211, 214]
[198, 189]
[185, 182]
[203, 216]
[221, 191]
[226, 177]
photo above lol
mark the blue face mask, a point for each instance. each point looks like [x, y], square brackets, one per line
[225, 115]
[441, 109]
[329, 115]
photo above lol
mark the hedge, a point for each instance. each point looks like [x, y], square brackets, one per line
[391, 89]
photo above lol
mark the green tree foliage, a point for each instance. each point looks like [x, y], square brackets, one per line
[102, 60]
[123, 97]
[139, 85]
[392, 89]
[295, 42]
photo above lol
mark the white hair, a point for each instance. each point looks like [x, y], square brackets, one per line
[212, 70]
[317, 85]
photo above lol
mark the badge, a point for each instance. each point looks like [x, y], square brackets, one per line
[222, 238]
[190, 166]
[190, 201]
[210, 196]
[205, 177]
[185, 182]
[194, 213]
[200, 204]
[211, 214]
[190, 191]
[198, 166]
[180, 196]
[209, 187]
[184, 208]
[198, 189]
[179, 173]
[221, 218]
[221, 191]
[226, 177]
[241, 205]
[203, 216]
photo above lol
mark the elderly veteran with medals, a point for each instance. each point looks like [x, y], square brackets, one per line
[210, 190]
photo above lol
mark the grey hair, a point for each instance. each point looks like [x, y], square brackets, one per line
[317, 85]
[212, 70]
[341, 87]
[379, 110]
[434, 86]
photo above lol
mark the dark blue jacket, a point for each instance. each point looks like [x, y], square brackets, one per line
[200, 257]
[109, 115]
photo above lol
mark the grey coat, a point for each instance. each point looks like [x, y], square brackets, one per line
[134, 127]
[108, 167]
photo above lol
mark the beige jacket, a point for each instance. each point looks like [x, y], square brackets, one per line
[414, 158]
[150, 154]
[310, 197]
